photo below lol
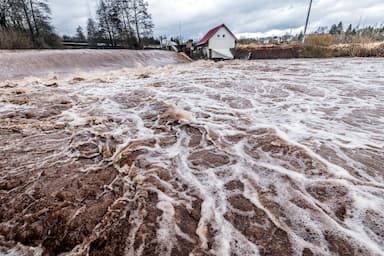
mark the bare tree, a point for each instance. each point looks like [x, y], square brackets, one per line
[124, 22]
[31, 17]
[92, 33]
[126, 14]
[3, 14]
[142, 20]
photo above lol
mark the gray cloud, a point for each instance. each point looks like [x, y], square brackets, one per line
[195, 17]
[68, 14]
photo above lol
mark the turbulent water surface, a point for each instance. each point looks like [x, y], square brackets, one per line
[234, 158]
[18, 64]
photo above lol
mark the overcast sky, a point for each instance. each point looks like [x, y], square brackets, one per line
[245, 17]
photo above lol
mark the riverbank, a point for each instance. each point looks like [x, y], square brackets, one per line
[253, 51]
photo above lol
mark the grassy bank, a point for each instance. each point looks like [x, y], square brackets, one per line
[317, 46]
[18, 39]
[14, 40]
[308, 51]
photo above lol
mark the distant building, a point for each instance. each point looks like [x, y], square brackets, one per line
[218, 43]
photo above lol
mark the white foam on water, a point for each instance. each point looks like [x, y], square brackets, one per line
[65, 62]
[299, 136]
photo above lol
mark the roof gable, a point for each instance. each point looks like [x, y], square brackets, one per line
[212, 32]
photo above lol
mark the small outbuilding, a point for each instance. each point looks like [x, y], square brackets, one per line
[218, 43]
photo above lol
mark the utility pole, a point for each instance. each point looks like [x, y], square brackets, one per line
[307, 21]
[180, 40]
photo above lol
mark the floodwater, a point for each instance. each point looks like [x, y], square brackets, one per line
[282, 157]
[38, 63]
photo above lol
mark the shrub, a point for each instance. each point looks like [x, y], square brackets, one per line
[320, 40]
[309, 51]
[13, 39]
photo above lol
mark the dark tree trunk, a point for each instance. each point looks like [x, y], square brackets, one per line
[135, 7]
[3, 20]
[25, 9]
[34, 17]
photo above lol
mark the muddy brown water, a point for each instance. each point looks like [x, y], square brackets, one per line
[41, 63]
[234, 158]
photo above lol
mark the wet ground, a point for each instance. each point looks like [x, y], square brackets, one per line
[233, 158]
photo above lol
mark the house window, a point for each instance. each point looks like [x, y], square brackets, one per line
[218, 35]
[223, 35]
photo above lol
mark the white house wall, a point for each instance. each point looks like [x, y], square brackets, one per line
[222, 39]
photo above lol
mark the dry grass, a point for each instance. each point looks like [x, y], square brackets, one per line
[251, 45]
[363, 42]
[264, 46]
[16, 39]
[11, 39]
[320, 40]
[317, 46]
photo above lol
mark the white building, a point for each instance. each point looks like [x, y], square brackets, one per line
[218, 43]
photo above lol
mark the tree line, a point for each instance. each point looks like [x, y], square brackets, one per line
[338, 33]
[350, 32]
[26, 24]
[118, 23]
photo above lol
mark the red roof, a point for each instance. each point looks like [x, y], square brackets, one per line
[212, 32]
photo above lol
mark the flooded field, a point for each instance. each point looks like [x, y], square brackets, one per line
[280, 157]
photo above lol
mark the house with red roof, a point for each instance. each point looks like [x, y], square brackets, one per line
[218, 43]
